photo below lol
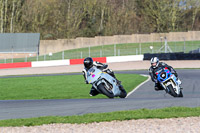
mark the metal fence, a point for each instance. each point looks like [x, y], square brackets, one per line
[115, 50]
[19, 42]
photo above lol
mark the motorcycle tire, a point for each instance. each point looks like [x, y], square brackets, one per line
[181, 94]
[172, 92]
[104, 91]
[123, 93]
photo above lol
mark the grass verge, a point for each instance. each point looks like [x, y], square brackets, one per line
[171, 112]
[57, 87]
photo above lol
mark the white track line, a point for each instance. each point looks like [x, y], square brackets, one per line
[139, 85]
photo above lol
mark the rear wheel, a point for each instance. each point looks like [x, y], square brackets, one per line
[172, 92]
[104, 91]
[123, 93]
[181, 94]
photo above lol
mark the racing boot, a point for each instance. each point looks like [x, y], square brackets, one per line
[93, 92]
[122, 88]
[158, 87]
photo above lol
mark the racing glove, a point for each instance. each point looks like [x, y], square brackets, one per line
[175, 74]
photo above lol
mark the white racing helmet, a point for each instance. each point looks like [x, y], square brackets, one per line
[153, 61]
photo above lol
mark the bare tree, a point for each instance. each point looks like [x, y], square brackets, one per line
[195, 6]
[2, 16]
[12, 16]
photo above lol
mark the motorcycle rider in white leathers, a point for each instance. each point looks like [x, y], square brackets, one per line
[88, 63]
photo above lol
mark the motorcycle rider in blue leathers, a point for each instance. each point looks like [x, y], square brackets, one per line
[88, 63]
[155, 64]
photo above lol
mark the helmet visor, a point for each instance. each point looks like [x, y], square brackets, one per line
[153, 64]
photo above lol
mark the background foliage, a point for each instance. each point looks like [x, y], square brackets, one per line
[58, 19]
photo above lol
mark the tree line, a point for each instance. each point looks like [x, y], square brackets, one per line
[58, 19]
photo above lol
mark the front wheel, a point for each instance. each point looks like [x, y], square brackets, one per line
[172, 92]
[104, 91]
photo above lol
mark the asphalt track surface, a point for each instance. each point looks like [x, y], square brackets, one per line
[144, 97]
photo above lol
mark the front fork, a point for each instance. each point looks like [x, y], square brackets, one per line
[165, 87]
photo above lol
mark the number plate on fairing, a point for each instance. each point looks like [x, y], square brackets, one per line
[168, 83]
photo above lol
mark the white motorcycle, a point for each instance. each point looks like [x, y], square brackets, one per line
[104, 83]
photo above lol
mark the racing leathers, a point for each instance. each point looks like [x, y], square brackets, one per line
[101, 66]
[152, 73]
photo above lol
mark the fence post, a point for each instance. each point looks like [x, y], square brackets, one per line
[136, 51]
[102, 50]
[89, 51]
[63, 55]
[114, 49]
[26, 59]
[81, 54]
[192, 44]
[175, 46]
[184, 45]
[12, 54]
[37, 57]
[140, 48]
[100, 53]
[4, 60]
[118, 52]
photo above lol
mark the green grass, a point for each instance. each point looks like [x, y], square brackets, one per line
[56, 87]
[172, 112]
[108, 50]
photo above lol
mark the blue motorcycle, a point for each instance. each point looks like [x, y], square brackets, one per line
[104, 83]
[169, 82]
